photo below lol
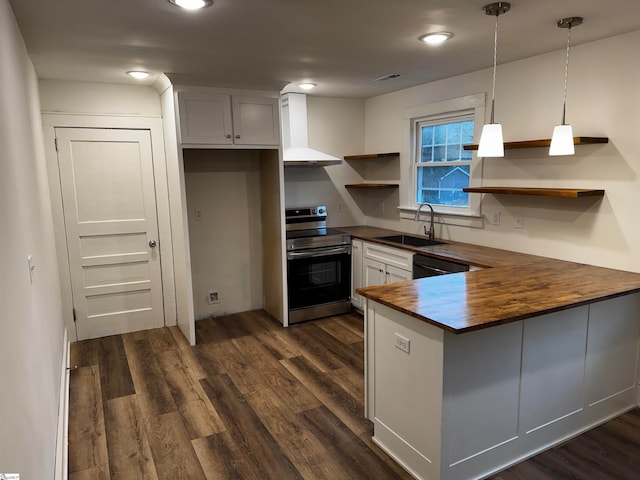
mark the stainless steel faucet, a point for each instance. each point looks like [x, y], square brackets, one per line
[431, 233]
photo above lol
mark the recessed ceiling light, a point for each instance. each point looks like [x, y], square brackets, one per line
[138, 74]
[307, 86]
[191, 4]
[436, 38]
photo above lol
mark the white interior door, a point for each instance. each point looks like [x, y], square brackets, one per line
[108, 194]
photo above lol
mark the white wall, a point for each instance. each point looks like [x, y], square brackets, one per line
[101, 105]
[603, 100]
[103, 98]
[31, 342]
[226, 244]
[336, 127]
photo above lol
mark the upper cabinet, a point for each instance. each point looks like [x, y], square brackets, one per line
[219, 119]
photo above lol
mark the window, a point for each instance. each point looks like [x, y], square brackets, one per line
[443, 167]
[439, 166]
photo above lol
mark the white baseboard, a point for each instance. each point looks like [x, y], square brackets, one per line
[62, 441]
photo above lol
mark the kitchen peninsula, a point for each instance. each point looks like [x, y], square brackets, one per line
[470, 372]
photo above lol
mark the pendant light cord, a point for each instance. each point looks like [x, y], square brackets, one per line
[495, 62]
[566, 77]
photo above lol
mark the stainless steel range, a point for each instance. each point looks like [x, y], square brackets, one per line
[318, 265]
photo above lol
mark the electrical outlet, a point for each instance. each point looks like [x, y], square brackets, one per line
[495, 217]
[197, 215]
[402, 343]
[519, 220]
[213, 297]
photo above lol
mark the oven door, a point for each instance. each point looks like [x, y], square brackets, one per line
[318, 276]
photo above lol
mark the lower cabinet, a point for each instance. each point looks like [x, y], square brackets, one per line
[382, 264]
[457, 407]
[378, 273]
[373, 264]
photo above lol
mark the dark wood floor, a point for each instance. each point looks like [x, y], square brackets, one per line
[608, 452]
[251, 401]
[255, 401]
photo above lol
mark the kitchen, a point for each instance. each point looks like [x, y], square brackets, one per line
[528, 101]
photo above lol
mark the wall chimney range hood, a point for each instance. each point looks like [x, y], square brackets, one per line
[295, 138]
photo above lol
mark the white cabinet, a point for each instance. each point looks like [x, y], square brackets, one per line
[356, 273]
[209, 118]
[381, 264]
[475, 402]
[395, 274]
[255, 120]
[373, 273]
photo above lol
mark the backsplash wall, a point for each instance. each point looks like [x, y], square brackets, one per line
[335, 127]
[223, 186]
[602, 100]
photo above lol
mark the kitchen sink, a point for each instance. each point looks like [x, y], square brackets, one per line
[410, 240]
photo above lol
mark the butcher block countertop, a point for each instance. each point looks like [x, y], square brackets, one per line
[512, 286]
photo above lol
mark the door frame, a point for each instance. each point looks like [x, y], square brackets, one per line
[51, 121]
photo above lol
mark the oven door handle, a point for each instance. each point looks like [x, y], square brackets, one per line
[319, 252]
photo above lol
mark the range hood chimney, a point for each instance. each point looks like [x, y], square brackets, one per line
[295, 138]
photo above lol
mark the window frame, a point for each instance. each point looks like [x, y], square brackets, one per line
[471, 107]
[417, 164]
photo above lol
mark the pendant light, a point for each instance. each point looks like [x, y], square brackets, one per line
[491, 143]
[562, 140]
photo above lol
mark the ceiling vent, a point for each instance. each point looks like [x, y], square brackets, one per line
[384, 78]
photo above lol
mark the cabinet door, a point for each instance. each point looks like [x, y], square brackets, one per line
[356, 273]
[395, 274]
[205, 118]
[255, 121]
[373, 273]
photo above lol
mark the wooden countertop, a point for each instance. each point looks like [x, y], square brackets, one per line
[513, 286]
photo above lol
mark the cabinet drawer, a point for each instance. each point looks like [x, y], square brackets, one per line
[388, 255]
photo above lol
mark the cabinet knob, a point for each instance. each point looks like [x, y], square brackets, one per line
[228, 135]
[237, 136]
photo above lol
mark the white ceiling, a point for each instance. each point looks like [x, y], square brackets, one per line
[342, 45]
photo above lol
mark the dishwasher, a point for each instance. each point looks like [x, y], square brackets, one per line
[426, 266]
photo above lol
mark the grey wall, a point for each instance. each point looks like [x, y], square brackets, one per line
[336, 127]
[31, 338]
[602, 100]
[226, 242]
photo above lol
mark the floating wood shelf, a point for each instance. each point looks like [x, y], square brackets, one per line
[545, 143]
[543, 192]
[371, 155]
[372, 186]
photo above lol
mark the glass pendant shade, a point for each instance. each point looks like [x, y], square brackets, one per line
[562, 141]
[491, 143]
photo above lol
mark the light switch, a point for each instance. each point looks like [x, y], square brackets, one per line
[31, 267]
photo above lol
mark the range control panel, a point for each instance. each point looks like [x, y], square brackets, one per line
[317, 213]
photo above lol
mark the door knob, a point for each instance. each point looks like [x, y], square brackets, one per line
[237, 136]
[153, 243]
[228, 135]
